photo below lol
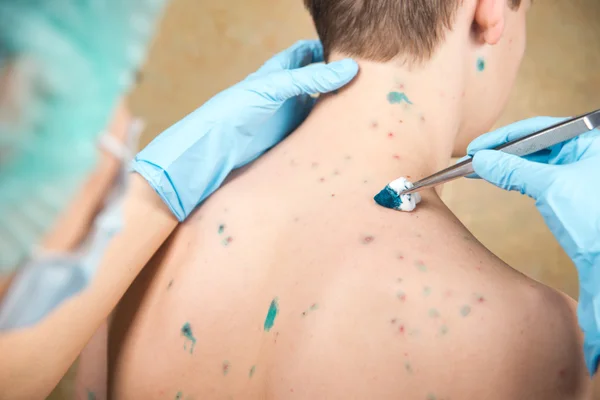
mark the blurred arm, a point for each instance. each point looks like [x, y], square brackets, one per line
[37, 358]
[91, 381]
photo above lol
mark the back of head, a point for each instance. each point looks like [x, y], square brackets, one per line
[478, 43]
[381, 30]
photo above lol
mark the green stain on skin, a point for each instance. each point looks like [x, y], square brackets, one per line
[271, 314]
[443, 330]
[431, 396]
[426, 291]
[179, 396]
[221, 229]
[397, 98]
[465, 310]
[252, 370]
[420, 266]
[313, 307]
[91, 395]
[480, 64]
[226, 366]
[408, 367]
[186, 331]
[433, 313]
[401, 295]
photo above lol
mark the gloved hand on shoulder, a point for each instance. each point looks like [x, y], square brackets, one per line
[191, 159]
[564, 181]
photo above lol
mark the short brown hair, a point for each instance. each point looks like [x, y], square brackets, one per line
[380, 30]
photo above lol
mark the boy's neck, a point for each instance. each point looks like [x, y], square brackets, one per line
[373, 120]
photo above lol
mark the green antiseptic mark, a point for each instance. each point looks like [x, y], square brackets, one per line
[186, 331]
[465, 310]
[397, 98]
[271, 314]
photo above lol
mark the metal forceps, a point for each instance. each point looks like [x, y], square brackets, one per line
[520, 147]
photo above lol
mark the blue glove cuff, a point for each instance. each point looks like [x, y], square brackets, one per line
[587, 313]
[591, 355]
[184, 179]
[159, 179]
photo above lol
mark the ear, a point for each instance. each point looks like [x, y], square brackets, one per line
[489, 20]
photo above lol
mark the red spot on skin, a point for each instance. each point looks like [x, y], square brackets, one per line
[448, 293]
[321, 179]
[562, 373]
[531, 285]
[374, 125]
[391, 135]
[401, 86]
[401, 121]
[480, 299]
[332, 194]
[405, 354]
[401, 329]
[396, 157]
[422, 118]
[336, 172]
[229, 239]
[408, 176]
[292, 390]
[402, 297]
[315, 165]
[400, 257]
[463, 94]
[442, 94]
[393, 321]
[368, 239]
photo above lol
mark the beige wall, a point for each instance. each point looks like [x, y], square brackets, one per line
[205, 46]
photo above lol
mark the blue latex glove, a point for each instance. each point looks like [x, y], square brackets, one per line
[565, 183]
[190, 160]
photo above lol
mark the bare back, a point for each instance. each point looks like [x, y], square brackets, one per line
[291, 283]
